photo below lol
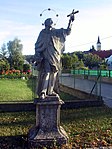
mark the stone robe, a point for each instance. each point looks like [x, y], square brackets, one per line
[48, 48]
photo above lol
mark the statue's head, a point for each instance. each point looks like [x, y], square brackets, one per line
[48, 22]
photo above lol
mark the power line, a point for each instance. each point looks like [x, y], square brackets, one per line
[91, 42]
[106, 37]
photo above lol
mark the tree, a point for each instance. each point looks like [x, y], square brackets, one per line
[4, 65]
[75, 61]
[79, 54]
[66, 61]
[3, 51]
[26, 67]
[91, 60]
[29, 58]
[92, 49]
[70, 61]
[16, 58]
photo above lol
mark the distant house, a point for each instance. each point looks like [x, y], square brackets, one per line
[109, 62]
[26, 62]
[103, 53]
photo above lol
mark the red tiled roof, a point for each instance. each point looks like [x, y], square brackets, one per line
[103, 54]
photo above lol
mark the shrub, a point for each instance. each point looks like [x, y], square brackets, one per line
[4, 65]
[26, 68]
[15, 74]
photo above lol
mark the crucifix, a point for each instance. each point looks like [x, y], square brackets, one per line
[72, 17]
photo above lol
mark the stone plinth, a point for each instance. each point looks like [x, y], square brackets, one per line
[47, 131]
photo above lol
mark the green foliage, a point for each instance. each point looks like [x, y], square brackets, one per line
[16, 58]
[103, 67]
[12, 53]
[3, 51]
[69, 61]
[78, 65]
[66, 61]
[4, 65]
[14, 46]
[79, 60]
[26, 67]
[79, 54]
[91, 60]
[17, 61]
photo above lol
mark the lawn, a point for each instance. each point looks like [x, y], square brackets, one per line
[13, 90]
[86, 127]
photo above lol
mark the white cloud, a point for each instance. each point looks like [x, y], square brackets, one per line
[26, 33]
[90, 22]
[3, 35]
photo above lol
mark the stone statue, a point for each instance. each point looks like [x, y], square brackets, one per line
[48, 49]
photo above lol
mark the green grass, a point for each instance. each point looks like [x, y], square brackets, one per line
[15, 90]
[86, 127]
[19, 90]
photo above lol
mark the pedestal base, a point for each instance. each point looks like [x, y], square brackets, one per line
[47, 131]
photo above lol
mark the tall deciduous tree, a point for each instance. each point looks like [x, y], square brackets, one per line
[91, 60]
[70, 61]
[3, 51]
[16, 58]
[66, 61]
[4, 65]
[79, 54]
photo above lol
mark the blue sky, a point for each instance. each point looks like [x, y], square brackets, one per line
[21, 18]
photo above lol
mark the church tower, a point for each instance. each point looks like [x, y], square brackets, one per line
[98, 44]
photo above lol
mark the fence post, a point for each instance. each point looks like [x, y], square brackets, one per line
[84, 72]
[100, 85]
[109, 74]
[74, 80]
[88, 72]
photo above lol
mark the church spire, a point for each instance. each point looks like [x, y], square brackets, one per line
[98, 41]
[98, 44]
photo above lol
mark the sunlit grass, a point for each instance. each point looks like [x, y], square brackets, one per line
[15, 90]
[19, 90]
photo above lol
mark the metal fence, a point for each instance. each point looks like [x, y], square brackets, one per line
[82, 84]
[103, 73]
[71, 80]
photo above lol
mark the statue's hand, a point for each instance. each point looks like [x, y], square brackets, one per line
[38, 60]
[38, 64]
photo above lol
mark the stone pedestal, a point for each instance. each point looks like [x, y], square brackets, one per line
[47, 131]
